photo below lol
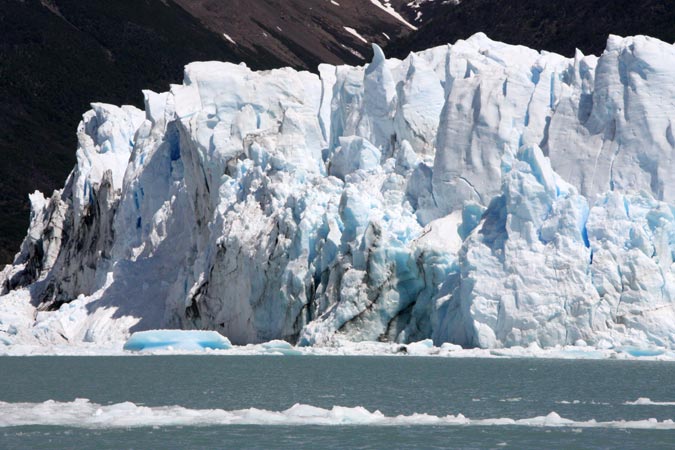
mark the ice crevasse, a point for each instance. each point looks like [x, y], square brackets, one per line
[482, 194]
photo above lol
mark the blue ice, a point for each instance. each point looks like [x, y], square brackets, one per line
[176, 340]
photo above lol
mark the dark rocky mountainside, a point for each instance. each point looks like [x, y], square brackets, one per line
[558, 26]
[300, 33]
[57, 56]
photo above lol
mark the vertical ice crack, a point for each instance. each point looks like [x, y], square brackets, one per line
[473, 188]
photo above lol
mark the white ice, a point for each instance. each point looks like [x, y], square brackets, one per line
[478, 194]
[644, 401]
[82, 413]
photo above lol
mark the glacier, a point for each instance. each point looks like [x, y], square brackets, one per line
[477, 194]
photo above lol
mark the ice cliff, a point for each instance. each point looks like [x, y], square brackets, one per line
[479, 193]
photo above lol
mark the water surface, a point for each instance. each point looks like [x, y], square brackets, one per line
[476, 388]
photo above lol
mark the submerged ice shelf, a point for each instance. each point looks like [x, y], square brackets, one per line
[476, 194]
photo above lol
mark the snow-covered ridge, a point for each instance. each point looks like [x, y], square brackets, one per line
[480, 194]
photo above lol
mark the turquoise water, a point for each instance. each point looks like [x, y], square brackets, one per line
[476, 388]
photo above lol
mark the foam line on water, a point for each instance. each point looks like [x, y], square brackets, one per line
[85, 414]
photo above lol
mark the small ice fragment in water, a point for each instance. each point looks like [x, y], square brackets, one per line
[176, 340]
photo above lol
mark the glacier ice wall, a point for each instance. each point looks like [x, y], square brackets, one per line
[477, 193]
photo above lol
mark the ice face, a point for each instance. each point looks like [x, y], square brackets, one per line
[543, 268]
[479, 193]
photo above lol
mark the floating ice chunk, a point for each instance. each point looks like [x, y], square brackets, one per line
[448, 347]
[83, 413]
[280, 347]
[639, 352]
[176, 340]
[646, 401]
[421, 348]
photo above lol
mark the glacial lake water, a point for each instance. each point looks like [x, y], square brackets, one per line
[237, 387]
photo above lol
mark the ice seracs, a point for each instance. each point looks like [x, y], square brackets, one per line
[479, 194]
[544, 267]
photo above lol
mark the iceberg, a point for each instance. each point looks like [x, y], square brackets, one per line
[478, 194]
[180, 340]
[278, 347]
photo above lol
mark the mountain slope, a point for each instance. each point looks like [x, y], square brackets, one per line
[302, 34]
[560, 26]
[57, 56]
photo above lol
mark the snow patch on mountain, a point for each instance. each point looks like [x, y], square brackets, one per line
[356, 34]
[386, 6]
[420, 10]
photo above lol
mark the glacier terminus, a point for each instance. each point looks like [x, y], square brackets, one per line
[478, 194]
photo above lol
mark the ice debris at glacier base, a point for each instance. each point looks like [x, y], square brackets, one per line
[181, 340]
[478, 194]
[339, 347]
